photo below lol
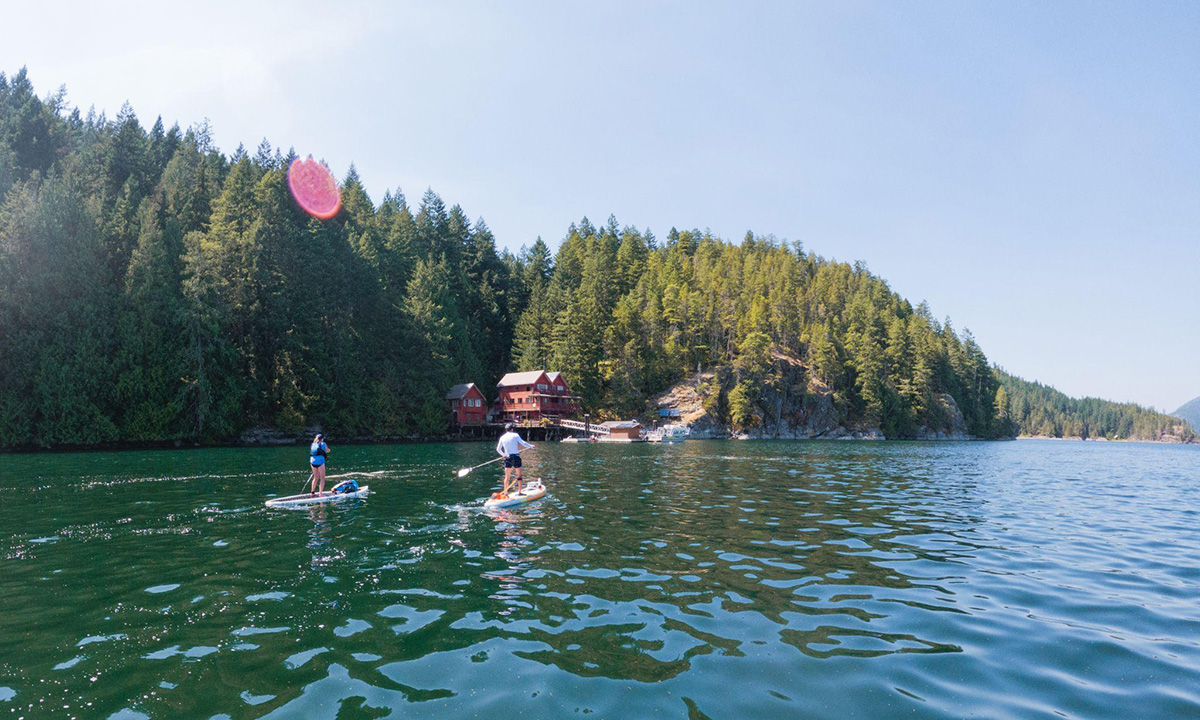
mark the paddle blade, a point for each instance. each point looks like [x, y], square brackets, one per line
[463, 472]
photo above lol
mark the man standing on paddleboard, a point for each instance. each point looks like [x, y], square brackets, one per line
[316, 458]
[509, 447]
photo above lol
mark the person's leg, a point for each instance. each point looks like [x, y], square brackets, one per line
[312, 487]
[507, 476]
[321, 475]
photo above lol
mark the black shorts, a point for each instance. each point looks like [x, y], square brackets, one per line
[512, 461]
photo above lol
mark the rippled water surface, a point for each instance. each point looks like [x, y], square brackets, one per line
[705, 580]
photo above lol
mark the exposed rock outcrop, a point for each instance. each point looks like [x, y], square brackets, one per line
[794, 405]
[688, 398]
[955, 427]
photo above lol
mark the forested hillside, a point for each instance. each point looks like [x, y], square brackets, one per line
[1190, 411]
[1040, 410]
[153, 289]
[642, 314]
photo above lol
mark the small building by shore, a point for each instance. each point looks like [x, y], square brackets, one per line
[468, 406]
[622, 431]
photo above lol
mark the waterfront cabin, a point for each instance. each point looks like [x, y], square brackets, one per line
[622, 431]
[535, 395]
[468, 406]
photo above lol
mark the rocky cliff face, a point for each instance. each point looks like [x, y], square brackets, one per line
[688, 398]
[798, 407]
[956, 427]
[795, 406]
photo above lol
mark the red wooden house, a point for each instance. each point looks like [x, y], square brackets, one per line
[467, 405]
[535, 395]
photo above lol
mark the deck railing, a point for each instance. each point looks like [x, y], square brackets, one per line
[583, 427]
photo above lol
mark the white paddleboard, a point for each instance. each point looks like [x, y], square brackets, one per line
[310, 499]
[532, 491]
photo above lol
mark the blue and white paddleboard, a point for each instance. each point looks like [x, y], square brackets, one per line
[310, 499]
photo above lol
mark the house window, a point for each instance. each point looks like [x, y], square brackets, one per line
[541, 386]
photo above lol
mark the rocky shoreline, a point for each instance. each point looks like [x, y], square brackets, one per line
[805, 415]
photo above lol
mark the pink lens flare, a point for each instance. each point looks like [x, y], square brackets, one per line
[315, 189]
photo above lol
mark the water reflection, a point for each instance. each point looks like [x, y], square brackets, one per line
[516, 528]
[320, 538]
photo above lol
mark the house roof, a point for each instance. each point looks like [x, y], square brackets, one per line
[553, 375]
[520, 378]
[459, 391]
[621, 424]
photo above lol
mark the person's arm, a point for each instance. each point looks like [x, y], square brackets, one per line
[523, 443]
[500, 447]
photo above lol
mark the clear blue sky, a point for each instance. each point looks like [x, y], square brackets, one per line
[1030, 169]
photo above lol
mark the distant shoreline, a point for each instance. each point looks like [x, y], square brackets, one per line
[454, 438]
[1103, 439]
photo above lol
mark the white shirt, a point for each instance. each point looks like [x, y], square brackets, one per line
[510, 444]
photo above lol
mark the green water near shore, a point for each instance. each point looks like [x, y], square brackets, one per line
[715, 579]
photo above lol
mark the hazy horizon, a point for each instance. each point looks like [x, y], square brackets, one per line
[1032, 172]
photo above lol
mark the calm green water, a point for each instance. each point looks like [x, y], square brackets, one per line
[716, 579]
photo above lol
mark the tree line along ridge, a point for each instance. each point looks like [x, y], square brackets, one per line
[153, 289]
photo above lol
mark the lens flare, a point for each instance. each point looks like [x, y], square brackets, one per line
[314, 188]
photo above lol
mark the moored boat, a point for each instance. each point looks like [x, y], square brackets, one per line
[669, 433]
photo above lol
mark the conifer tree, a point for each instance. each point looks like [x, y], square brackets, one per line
[149, 331]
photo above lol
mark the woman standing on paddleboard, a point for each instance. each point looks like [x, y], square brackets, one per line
[316, 458]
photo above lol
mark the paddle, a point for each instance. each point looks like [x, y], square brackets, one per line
[465, 471]
[310, 477]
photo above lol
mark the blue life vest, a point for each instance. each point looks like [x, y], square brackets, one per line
[316, 454]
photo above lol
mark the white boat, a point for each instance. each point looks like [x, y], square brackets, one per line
[529, 493]
[313, 499]
[670, 433]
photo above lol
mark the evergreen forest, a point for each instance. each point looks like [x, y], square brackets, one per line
[155, 290]
[1042, 411]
